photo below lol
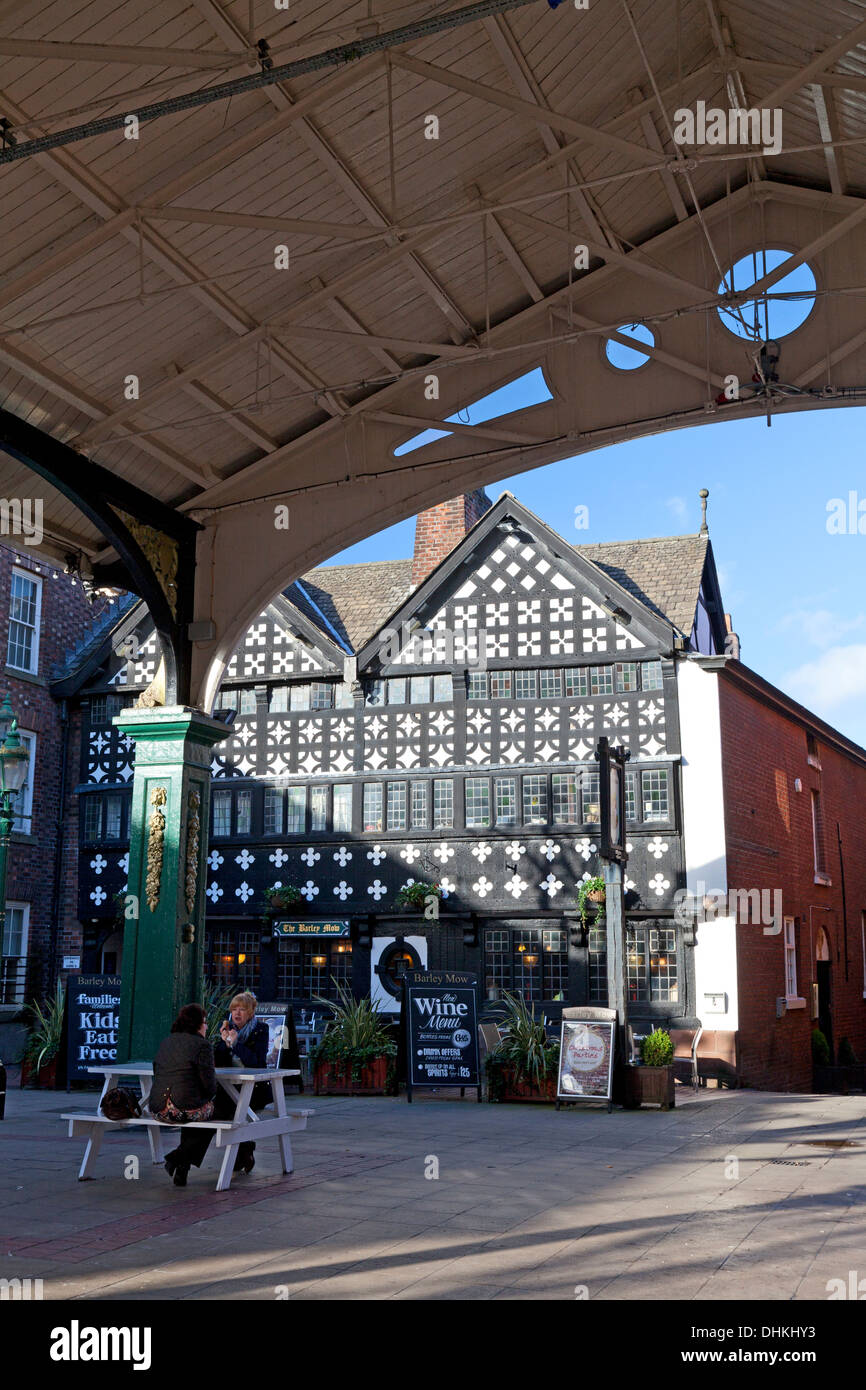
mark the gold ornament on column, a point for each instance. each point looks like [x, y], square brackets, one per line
[192, 839]
[156, 836]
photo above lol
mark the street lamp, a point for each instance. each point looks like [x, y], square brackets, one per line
[14, 763]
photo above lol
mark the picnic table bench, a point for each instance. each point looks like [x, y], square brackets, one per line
[245, 1124]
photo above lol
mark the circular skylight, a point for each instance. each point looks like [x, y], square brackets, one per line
[626, 358]
[760, 319]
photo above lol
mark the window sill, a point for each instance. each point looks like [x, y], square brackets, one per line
[795, 1003]
[20, 675]
[824, 879]
[813, 761]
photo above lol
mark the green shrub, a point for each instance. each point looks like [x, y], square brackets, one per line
[357, 1034]
[45, 1029]
[847, 1056]
[820, 1049]
[657, 1050]
[525, 1049]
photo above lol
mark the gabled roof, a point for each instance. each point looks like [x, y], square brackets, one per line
[664, 573]
[357, 599]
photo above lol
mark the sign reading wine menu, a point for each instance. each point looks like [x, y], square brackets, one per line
[440, 1016]
[585, 1060]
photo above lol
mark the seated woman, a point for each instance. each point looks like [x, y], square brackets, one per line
[184, 1087]
[243, 1042]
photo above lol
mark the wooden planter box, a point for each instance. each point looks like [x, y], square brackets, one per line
[335, 1078]
[839, 1080]
[44, 1079]
[648, 1086]
[524, 1090]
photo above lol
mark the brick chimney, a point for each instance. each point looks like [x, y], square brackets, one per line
[438, 530]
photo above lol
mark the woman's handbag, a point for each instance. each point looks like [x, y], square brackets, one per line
[119, 1104]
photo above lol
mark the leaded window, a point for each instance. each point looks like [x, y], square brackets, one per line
[397, 690]
[420, 690]
[280, 698]
[601, 680]
[590, 798]
[419, 805]
[565, 797]
[305, 968]
[651, 675]
[554, 957]
[222, 813]
[113, 817]
[506, 800]
[273, 812]
[549, 684]
[92, 817]
[443, 689]
[477, 802]
[300, 695]
[318, 808]
[500, 685]
[244, 812]
[576, 681]
[296, 810]
[651, 964]
[443, 803]
[396, 805]
[372, 806]
[626, 675]
[342, 807]
[477, 685]
[631, 796]
[234, 959]
[535, 800]
[654, 790]
[597, 944]
[321, 695]
[525, 685]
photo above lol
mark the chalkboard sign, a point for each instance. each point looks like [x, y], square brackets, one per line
[440, 1018]
[92, 1016]
[585, 1059]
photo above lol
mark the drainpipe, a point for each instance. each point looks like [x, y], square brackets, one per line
[58, 845]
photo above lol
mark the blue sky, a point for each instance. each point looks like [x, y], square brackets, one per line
[795, 591]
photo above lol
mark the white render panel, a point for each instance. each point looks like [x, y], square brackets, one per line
[704, 836]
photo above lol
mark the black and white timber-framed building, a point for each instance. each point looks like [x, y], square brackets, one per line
[386, 732]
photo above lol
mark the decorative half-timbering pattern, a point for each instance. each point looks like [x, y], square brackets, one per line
[270, 649]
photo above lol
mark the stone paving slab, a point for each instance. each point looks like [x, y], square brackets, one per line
[529, 1203]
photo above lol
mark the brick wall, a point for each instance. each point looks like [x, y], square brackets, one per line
[65, 615]
[439, 529]
[768, 826]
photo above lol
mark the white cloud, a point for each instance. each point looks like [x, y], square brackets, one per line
[679, 507]
[821, 628]
[839, 676]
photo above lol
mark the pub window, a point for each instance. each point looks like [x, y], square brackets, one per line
[396, 805]
[234, 959]
[305, 968]
[590, 798]
[631, 796]
[576, 681]
[300, 696]
[525, 685]
[397, 691]
[477, 687]
[527, 965]
[651, 964]
[343, 697]
[500, 685]
[506, 800]
[419, 690]
[375, 693]
[343, 807]
[497, 963]
[222, 813]
[227, 699]
[419, 805]
[245, 812]
[443, 689]
[279, 698]
[597, 944]
[654, 788]
[651, 675]
[477, 802]
[102, 709]
[372, 806]
[626, 675]
[565, 797]
[443, 803]
[535, 800]
[318, 808]
[247, 702]
[601, 680]
[321, 695]
[554, 959]
[549, 684]
[92, 818]
[296, 810]
[274, 814]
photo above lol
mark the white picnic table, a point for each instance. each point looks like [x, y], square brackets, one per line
[245, 1124]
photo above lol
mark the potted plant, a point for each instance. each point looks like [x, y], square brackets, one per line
[652, 1082]
[355, 1056]
[39, 1059]
[215, 1000]
[592, 890]
[524, 1065]
[415, 894]
[279, 898]
[847, 1075]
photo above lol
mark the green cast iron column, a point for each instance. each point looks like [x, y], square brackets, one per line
[163, 942]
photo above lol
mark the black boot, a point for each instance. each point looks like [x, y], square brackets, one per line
[245, 1161]
[180, 1175]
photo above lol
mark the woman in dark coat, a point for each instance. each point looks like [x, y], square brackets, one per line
[243, 1042]
[184, 1087]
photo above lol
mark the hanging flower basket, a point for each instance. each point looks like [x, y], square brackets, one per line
[280, 899]
[591, 891]
[415, 895]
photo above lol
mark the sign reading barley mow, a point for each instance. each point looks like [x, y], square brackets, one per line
[440, 1010]
[585, 1060]
[92, 1016]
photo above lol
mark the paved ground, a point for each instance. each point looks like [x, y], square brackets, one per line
[725, 1197]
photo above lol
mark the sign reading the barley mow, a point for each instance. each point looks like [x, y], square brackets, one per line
[92, 1017]
[585, 1060]
[440, 1010]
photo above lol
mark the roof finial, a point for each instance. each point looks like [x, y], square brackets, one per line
[704, 494]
